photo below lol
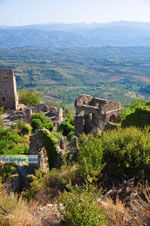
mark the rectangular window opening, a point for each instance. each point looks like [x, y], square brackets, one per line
[3, 99]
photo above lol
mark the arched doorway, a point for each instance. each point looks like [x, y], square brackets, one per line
[113, 119]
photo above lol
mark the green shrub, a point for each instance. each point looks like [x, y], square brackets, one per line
[1, 110]
[66, 128]
[23, 128]
[50, 144]
[45, 121]
[29, 97]
[11, 143]
[36, 124]
[136, 103]
[68, 114]
[139, 118]
[49, 126]
[57, 134]
[26, 130]
[126, 153]
[6, 171]
[90, 156]
[70, 135]
[38, 182]
[79, 207]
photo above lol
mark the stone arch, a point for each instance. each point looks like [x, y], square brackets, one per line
[113, 119]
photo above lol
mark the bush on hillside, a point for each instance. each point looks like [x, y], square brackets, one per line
[22, 128]
[136, 103]
[1, 110]
[45, 121]
[66, 128]
[6, 171]
[79, 207]
[29, 97]
[11, 143]
[36, 124]
[126, 153]
[139, 118]
[90, 156]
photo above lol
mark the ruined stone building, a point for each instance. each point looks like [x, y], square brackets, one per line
[92, 114]
[8, 91]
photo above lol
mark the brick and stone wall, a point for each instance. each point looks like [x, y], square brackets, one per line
[8, 91]
[92, 114]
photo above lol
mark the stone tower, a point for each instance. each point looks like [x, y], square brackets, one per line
[8, 91]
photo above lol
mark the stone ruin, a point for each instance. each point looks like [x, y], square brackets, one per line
[56, 115]
[37, 148]
[9, 100]
[93, 114]
[8, 91]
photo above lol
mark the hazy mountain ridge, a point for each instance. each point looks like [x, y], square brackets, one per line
[76, 35]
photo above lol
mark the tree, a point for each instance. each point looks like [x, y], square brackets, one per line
[29, 97]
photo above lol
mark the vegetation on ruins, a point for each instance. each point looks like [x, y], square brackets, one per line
[1, 111]
[29, 97]
[23, 128]
[39, 120]
[102, 161]
[50, 144]
[36, 124]
[67, 129]
[69, 116]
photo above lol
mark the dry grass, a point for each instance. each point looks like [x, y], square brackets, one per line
[136, 213]
[141, 205]
[46, 186]
[21, 215]
[118, 214]
[19, 210]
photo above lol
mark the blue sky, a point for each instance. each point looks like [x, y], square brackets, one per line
[23, 12]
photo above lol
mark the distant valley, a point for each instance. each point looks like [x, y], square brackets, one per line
[63, 61]
[62, 74]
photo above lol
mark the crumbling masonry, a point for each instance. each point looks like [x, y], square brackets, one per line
[92, 114]
[8, 91]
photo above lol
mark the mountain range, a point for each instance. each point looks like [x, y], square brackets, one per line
[120, 33]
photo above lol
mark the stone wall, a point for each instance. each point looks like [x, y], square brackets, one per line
[8, 91]
[37, 147]
[92, 114]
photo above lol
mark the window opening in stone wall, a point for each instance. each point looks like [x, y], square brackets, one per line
[3, 99]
